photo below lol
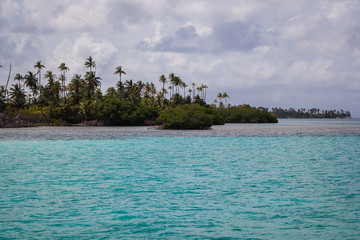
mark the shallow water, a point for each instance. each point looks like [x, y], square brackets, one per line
[292, 180]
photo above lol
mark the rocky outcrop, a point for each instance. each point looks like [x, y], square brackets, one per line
[20, 120]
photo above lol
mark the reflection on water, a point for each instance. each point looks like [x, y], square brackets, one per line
[285, 127]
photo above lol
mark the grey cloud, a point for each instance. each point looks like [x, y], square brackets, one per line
[231, 36]
[236, 36]
[123, 14]
[186, 32]
[25, 28]
[185, 40]
[7, 49]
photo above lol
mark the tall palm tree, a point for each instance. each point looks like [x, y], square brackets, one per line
[18, 77]
[50, 76]
[172, 81]
[90, 63]
[39, 66]
[226, 96]
[118, 70]
[62, 80]
[63, 69]
[171, 88]
[220, 96]
[177, 83]
[193, 90]
[190, 91]
[163, 80]
[184, 85]
[205, 87]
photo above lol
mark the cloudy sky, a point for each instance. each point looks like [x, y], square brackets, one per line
[295, 53]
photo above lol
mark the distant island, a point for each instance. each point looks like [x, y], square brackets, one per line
[309, 113]
[31, 101]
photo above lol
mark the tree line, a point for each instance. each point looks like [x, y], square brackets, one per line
[309, 113]
[59, 99]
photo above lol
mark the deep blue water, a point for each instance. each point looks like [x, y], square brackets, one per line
[141, 183]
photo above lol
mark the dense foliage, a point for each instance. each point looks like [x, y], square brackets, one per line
[189, 116]
[53, 100]
[247, 114]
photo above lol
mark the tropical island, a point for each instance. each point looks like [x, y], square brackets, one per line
[37, 99]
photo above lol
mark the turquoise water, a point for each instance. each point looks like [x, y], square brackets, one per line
[176, 187]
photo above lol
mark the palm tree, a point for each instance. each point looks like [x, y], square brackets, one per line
[18, 77]
[39, 66]
[190, 91]
[172, 81]
[50, 76]
[171, 88]
[62, 80]
[76, 86]
[204, 87]
[193, 90]
[184, 85]
[93, 83]
[17, 95]
[118, 70]
[220, 96]
[111, 92]
[52, 89]
[63, 69]
[226, 96]
[163, 80]
[90, 63]
[177, 83]
[31, 82]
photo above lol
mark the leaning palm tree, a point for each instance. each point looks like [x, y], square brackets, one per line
[90, 63]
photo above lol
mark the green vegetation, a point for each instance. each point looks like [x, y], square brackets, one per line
[189, 116]
[247, 114]
[53, 98]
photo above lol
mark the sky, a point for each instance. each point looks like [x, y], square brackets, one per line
[270, 53]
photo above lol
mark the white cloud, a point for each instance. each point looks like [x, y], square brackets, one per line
[74, 53]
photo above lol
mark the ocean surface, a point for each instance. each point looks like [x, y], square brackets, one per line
[298, 179]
